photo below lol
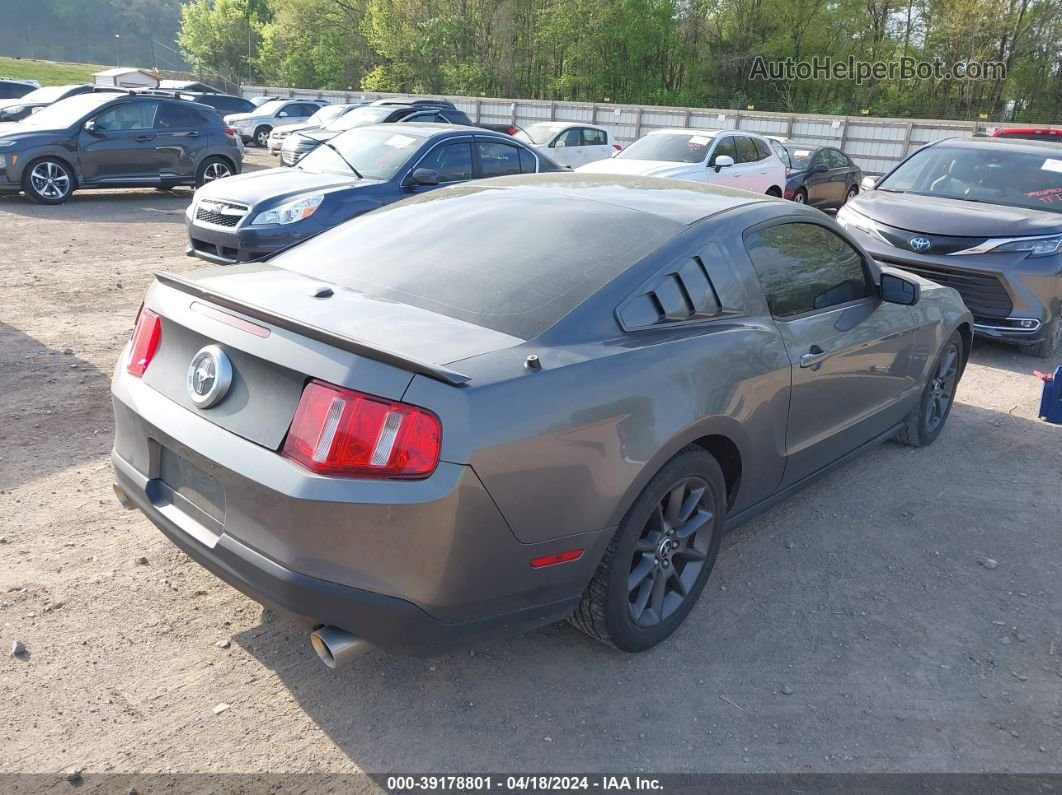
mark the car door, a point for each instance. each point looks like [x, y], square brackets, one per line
[850, 353]
[726, 175]
[818, 181]
[565, 147]
[840, 175]
[451, 160]
[753, 173]
[180, 139]
[119, 145]
[596, 145]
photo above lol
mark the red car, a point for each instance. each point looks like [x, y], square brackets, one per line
[1032, 133]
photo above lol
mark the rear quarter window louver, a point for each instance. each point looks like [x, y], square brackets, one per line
[680, 295]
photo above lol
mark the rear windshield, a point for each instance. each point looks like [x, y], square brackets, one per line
[989, 174]
[500, 259]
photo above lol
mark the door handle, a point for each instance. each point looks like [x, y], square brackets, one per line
[192, 134]
[142, 139]
[815, 356]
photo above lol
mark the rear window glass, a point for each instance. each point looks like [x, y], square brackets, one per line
[501, 259]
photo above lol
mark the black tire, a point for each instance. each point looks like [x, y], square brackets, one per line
[774, 191]
[1049, 345]
[925, 423]
[261, 135]
[852, 193]
[48, 180]
[213, 168]
[645, 541]
[801, 196]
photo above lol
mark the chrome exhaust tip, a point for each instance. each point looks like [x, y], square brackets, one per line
[123, 498]
[336, 647]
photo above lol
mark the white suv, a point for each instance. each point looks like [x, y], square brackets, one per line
[570, 143]
[735, 158]
[257, 124]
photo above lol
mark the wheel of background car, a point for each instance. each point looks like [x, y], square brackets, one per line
[925, 423]
[48, 181]
[852, 193]
[1049, 345]
[660, 557]
[261, 135]
[211, 169]
[801, 196]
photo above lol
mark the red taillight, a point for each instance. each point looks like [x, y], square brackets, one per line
[511, 131]
[553, 560]
[229, 131]
[617, 147]
[341, 432]
[145, 341]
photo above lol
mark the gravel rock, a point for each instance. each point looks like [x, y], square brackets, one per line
[988, 563]
[223, 644]
[68, 351]
[17, 648]
[141, 561]
[74, 776]
[787, 690]
[220, 708]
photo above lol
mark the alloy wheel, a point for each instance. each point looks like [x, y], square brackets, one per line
[942, 388]
[216, 170]
[799, 197]
[670, 552]
[50, 180]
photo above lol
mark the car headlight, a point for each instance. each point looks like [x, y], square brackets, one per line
[1034, 246]
[847, 217]
[14, 109]
[289, 213]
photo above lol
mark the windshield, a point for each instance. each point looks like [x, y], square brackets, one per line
[46, 94]
[359, 117]
[671, 147]
[325, 115]
[799, 157]
[270, 108]
[374, 154]
[990, 173]
[67, 111]
[537, 133]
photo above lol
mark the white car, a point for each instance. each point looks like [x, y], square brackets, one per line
[257, 124]
[734, 158]
[317, 120]
[570, 143]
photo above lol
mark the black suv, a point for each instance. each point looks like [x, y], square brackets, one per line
[382, 111]
[105, 140]
[224, 104]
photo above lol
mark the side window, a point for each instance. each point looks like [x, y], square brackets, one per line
[747, 150]
[453, 162]
[762, 148]
[682, 292]
[128, 116]
[528, 164]
[820, 159]
[725, 146]
[837, 159]
[498, 159]
[594, 137]
[804, 267]
[568, 138]
[172, 117]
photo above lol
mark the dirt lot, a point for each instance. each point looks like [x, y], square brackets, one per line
[852, 628]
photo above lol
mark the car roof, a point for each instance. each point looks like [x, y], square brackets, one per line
[678, 201]
[431, 129]
[687, 131]
[1004, 142]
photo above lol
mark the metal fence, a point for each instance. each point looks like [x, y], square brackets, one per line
[875, 144]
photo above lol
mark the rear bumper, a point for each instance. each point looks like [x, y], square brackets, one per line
[414, 567]
[386, 622]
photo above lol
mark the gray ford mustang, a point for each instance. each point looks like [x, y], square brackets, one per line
[518, 400]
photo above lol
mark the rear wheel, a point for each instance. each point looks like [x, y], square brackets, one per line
[1049, 345]
[925, 423]
[852, 193]
[48, 181]
[774, 191]
[660, 557]
[261, 135]
[211, 169]
[801, 196]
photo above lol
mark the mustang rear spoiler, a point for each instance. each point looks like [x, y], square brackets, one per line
[430, 369]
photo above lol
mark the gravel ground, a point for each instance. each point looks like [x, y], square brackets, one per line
[904, 614]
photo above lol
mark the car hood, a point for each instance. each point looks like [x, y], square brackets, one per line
[277, 183]
[319, 134]
[385, 325]
[934, 215]
[13, 131]
[288, 129]
[232, 118]
[645, 168]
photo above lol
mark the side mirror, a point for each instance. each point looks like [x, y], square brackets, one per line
[723, 161]
[282, 115]
[90, 127]
[868, 183]
[821, 168]
[898, 290]
[425, 176]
